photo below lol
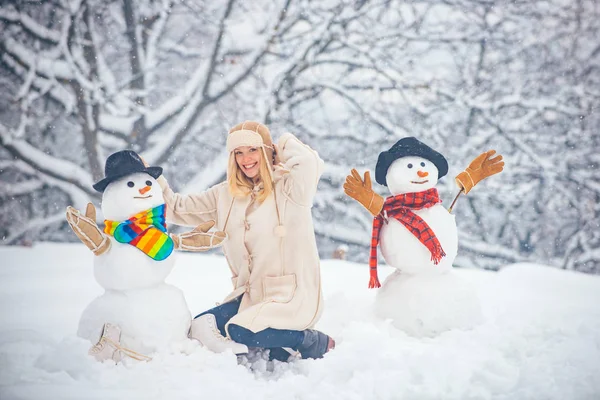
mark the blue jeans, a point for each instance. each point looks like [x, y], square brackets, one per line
[270, 338]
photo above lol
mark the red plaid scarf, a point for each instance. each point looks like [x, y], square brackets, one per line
[400, 207]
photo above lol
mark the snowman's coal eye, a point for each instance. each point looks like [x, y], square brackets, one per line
[130, 184]
[148, 183]
[422, 164]
[409, 165]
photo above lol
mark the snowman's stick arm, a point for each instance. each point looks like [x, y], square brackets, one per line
[456, 198]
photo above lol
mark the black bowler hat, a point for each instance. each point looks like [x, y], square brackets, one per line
[123, 163]
[405, 147]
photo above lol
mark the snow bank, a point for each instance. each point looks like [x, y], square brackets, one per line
[540, 339]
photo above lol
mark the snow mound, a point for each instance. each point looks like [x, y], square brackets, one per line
[540, 339]
[427, 305]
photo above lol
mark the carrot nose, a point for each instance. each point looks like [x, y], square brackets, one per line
[422, 174]
[144, 189]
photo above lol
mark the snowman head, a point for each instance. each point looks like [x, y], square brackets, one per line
[129, 186]
[411, 174]
[130, 195]
[410, 166]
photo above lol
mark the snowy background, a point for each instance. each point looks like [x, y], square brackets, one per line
[80, 79]
[540, 339]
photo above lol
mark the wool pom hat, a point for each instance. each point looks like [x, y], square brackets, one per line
[121, 164]
[405, 147]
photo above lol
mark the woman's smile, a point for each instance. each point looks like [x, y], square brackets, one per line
[248, 159]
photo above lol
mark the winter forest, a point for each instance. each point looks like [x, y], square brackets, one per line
[81, 79]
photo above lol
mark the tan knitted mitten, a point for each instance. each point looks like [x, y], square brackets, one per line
[361, 191]
[480, 168]
[86, 229]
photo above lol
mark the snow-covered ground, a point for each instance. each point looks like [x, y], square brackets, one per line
[541, 339]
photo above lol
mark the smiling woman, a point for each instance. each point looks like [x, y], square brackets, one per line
[251, 161]
[265, 209]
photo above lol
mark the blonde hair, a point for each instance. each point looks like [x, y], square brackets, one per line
[240, 185]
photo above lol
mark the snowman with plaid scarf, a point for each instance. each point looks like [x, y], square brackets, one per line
[138, 313]
[418, 237]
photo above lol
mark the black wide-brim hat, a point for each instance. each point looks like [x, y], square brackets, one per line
[405, 147]
[121, 164]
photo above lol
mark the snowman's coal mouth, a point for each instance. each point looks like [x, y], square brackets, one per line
[146, 197]
[419, 183]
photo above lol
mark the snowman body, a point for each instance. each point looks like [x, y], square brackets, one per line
[420, 297]
[403, 251]
[151, 313]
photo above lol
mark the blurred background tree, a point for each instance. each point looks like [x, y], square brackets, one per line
[82, 79]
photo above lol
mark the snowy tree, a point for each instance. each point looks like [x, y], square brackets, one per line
[167, 78]
[464, 76]
[87, 78]
[529, 85]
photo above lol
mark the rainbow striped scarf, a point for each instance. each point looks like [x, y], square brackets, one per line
[146, 230]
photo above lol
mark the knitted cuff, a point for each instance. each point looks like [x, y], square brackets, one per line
[465, 181]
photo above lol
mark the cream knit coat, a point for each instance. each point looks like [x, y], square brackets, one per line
[279, 277]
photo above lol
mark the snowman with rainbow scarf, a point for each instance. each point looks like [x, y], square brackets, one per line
[138, 313]
[418, 237]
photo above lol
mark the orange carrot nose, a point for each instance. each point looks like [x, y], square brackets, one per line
[422, 174]
[144, 189]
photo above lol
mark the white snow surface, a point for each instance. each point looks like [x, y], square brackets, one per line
[540, 339]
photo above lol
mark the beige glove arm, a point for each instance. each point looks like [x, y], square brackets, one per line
[86, 229]
[199, 239]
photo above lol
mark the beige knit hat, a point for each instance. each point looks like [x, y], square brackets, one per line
[250, 133]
